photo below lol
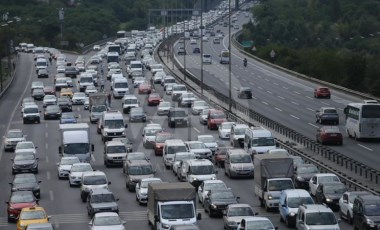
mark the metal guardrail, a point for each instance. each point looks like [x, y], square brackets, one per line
[354, 166]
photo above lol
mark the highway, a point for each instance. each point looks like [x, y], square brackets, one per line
[276, 94]
[63, 202]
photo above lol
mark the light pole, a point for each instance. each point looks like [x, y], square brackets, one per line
[184, 46]
[201, 47]
[61, 16]
[229, 56]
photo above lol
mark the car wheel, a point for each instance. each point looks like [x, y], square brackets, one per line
[287, 223]
[349, 218]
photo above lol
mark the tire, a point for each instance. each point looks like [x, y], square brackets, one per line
[287, 223]
[349, 218]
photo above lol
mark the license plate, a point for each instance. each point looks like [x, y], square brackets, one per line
[117, 161]
[333, 135]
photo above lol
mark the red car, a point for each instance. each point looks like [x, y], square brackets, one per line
[215, 118]
[49, 90]
[322, 92]
[154, 99]
[220, 156]
[18, 201]
[145, 88]
[159, 142]
[329, 134]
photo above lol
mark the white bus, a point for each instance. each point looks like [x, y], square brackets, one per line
[225, 57]
[113, 57]
[362, 120]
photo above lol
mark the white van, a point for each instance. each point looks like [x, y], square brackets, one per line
[41, 63]
[258, 140]
[120, 87]
[85, 80]
[238, 163]
[111, 125]
[207, 58]
[134, 66]
[195, 171]
[171, 148]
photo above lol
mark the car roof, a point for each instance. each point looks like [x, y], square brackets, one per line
[296, 193]
[138, 162]
[97, 191]
[106, 214]
[199, 162]
[94, 173]
[239, 206]
[114, 143]
[315, 208]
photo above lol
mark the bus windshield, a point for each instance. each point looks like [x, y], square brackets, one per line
[371, 111]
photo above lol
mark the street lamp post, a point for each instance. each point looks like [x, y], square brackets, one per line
[61, 16]
[184, 46]
[201, 47]
[229, 53]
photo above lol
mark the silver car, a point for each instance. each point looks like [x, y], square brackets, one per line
[142, 189]
[76, 171]
[64, 166]
[12, 138]
[106, 221]
[163, 108]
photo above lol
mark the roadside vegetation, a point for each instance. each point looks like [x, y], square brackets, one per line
[333, 40]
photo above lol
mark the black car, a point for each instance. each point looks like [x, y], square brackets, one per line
[137, 114]
[302, 175]
[216, 201]
[177, 117]
[25, 162]
[52, 112]
[329, 193]
[42, 73]
[327, 115]
[65, 104]
[26, 182]
[38, 94]
[196, 50]
[101, 200]
[71, 71]
[366, 212]
[245, 92]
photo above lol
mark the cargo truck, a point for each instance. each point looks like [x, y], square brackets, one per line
[98, 104]
[273, 173]
[171, 204]
[75, 141]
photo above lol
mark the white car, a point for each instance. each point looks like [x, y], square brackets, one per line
[207, 58]
[138, 81]
[12, 137]
[318, 178]
[169, 88]
[203, 116]
[199, 149]
[149, 134]
[193, 42]
[256, 222]
[106, 221]
[180, 157]
[142, 189]
[76, 171]
[96, 48]
[209, 141]
[61, 68]
[198, 106]
[346, 203]
[205, 38]
[224, 129]
[163, 108]
[64, 166]
[87, 103]
[49, 100]
[91, 89]
[25, 147]
[78, 98]
[158, 77]
[207, 186]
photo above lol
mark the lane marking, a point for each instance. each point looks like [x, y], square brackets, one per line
[275, 83]
[197, 130]
[266, 79]
[309, 97]
[254, 98]
[93, 158]
[46, 145]
[47, 159]
[269, 92]
[46, 134]
[310, 109]
[285, 87]
[294, 117]
[278, 109]
[265, 103]
[48, 175]
[51, 195]
[260, 87]
[296, 92]
[325, 103]
[293, 102]
[283, 98]
[244, 79]
[365, 147]
[316, 126]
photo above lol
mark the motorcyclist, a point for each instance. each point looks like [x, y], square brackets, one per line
[245, 62]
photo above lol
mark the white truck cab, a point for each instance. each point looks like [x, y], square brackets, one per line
[258, 140]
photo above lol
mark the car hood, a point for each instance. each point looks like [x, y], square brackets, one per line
[139, 177]
[236, 219]
[306, 176]
[117, 154]
[15, 139]
[24, 162]
[163, 108]
[375, 219]
[200, 151]
[25, 151]
[223, 201]
[22, 205]
[76, 174]
[218, 121]
[24, 186]
[64, 167]
[211, 145]
[334, 196]
[104, 205]
[113, 227]
[242, 166]
[143, 191]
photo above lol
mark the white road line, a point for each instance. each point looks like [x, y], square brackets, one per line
[293, 102]
[254, 97]
[260, 87]
[151, 121]
[310, 109]
[244, 79]
[316, 126]
[278, 109]
[46, 134]
[325, 103]
[46, 125]
[259, 76]
[365, 147]
[93, 158]
[197, 130]
[48, 175]
[252, 83]
[269, 92]
[283, 98]
[296, 92]
[294, 117]
[265, 103]
[47, 159]
[46, 145]
[235, 88]
[51, 195]
[275, 83]
[309, 97]
[266, 79]
[285, 87]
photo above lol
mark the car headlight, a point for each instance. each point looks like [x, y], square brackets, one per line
[123, 133]
[270, 197]
[231, 223]
[328, 200]
[213, 206]
[166, 226]
[292, 214]
[300, 178]
[172, 119]
[6, 142]
[369, 221]
[213, 178]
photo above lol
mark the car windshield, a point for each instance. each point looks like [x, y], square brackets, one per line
[32, 215]
[295, 202]
[205, 111]
[177, 211]
[324, 179]
[307, 169]
[320, 218]
[179, 88]
[15, 135]
[162, 138]
[222, 195]
[140, 170]
[217, 116]
[227, 126]
[24, 145]
[241, 211]
[76, 148]
[200, 104]
[116, 149]
[335, 189]
[81, 168]
[244, 158]
[372, 210]
[86, 79]
[24, 179]
[201, 170]
[164, 104]
[176, 149]
[258, 224]
[169, 80]
[114, 124]
[23, 197]
[99, 108]
[95, 180]
[179, 113]
[52, 109]
[31, 110]
[130, 101]
[69, 160]
[333, 111]
[207, 139]
[279, 185]
[214, 186]
[263, 141]
[197, 145]
[121, 85]
[67, 115]
[102, 198]
[239, 131]
[152, 131]
[22, 157]
[107, 220]
[144, 184]
[136, 156]
[179, 157]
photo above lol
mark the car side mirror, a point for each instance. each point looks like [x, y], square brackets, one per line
[224, 213]
[109, 182]
[339, 220]
[238, 198]
[12, 159]
[92, 147]
[117, 199]
[126, 126]
[37, 158]
[49, 217]
[199, 216]
[124, 222]
[39, 181]
[59, 150]
[90, 224]
[345, 201]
